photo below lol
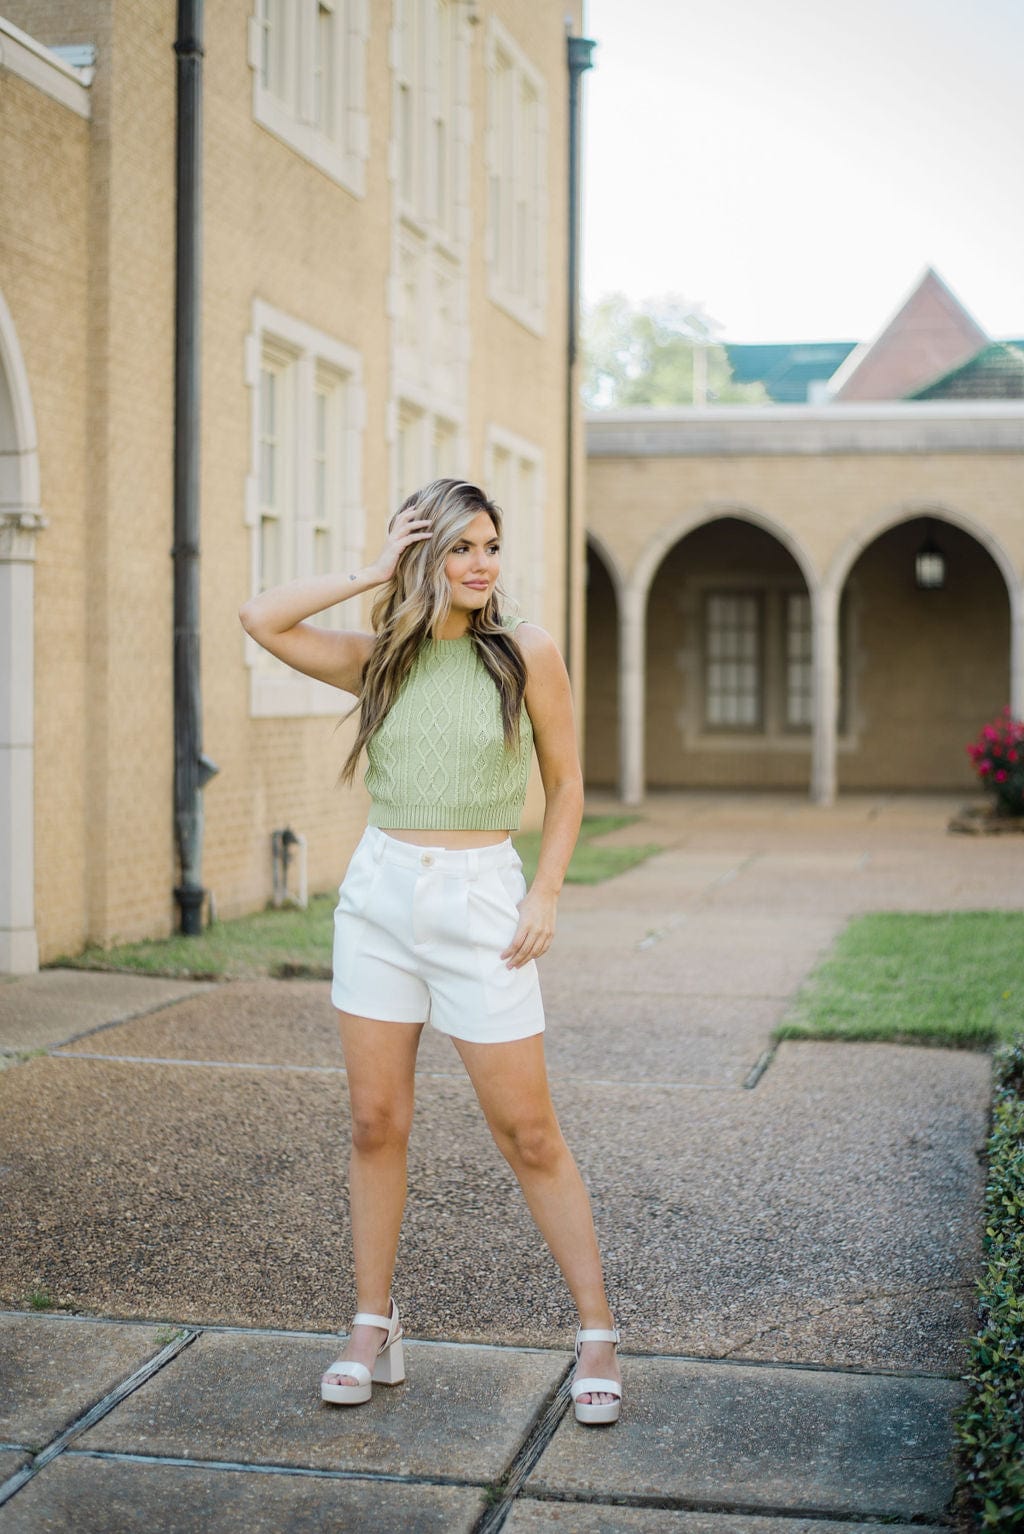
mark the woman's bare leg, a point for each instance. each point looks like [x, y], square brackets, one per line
[511, 1083]
[380, 1059]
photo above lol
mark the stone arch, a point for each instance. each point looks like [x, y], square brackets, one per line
[20, 520]
[926, 664]
[725, 576]
[19, 458]
[668, 536]
[853, 546]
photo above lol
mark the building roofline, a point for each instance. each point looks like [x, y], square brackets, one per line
[22, 55]
[867, 410]
[897, 426]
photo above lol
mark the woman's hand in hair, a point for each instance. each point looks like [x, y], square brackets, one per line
[406, 528]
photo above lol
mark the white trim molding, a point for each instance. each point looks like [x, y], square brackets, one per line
[20, 521]
[318, 485]
[516, 152]
[21, 55]
[308, 62]
[514, 478]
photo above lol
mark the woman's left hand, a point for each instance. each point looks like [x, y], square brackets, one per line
[535, 931]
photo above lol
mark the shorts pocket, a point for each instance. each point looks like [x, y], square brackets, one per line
[359, 882]
[513, 882]
[494, 907]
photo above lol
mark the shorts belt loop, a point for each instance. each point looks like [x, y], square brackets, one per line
[379, 846]
[472, 862]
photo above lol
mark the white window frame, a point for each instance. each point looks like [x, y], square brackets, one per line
[428, 302]
[432, 434]
[757, 725]
[310, 360]
[430, 53]
[516, 182]
[523, 553]
[288, 31]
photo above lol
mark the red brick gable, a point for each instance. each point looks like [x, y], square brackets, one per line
[931, 334]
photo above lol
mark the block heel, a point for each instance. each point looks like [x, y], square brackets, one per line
[388, 1366]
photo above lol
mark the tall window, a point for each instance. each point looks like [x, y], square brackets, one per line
[516, 201]
[276, 466]
[513, 476]
[309, 63]
[426, 52]
[426, 448]
[304, 495]
[732, 665]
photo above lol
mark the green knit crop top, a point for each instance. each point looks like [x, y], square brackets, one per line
[438, 760]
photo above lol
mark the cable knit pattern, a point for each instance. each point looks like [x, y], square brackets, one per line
[438, 761]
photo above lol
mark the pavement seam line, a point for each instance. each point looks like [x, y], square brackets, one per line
[99, 1410]
[135, 1017]
[747, 1509]
[793, 1365]
[853, 1300]
[536, 1440]
[315, 1472]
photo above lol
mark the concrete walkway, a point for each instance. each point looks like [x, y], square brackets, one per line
[791, 1236]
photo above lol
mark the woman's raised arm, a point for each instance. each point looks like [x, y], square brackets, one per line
[275, 618]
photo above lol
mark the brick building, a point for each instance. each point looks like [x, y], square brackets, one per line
[823, 595]
[384, 243]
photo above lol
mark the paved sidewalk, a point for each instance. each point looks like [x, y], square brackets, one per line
[791, 1236]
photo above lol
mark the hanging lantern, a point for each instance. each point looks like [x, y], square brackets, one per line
[929, 564]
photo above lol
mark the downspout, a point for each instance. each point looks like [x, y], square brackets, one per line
[579, 59]
[192, 770]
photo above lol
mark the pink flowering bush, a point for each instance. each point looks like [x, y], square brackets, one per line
[998, 757]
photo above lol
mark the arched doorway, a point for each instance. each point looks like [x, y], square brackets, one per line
[927, 666]
[20, 520]
[601, 706]
[729, 676]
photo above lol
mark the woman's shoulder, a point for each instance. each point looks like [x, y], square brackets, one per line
[539, 649]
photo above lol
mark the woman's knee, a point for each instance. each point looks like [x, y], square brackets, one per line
[380, 1126]
[533, 1143]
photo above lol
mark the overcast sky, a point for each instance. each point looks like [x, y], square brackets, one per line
[796, 164]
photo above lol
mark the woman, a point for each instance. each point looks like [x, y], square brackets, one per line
[432, 918]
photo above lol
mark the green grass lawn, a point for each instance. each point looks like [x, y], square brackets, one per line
[955, 980]
[290, 942]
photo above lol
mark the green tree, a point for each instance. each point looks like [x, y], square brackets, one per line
[659, 352]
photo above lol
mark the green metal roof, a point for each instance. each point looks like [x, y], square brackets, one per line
[996, 372]
[787, 369]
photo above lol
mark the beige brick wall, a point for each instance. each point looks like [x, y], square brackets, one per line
[820, 500]
[44, 172]
[275, 229]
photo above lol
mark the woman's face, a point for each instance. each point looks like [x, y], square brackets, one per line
[472, 566]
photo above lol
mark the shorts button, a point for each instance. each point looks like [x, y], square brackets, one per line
[426, 860]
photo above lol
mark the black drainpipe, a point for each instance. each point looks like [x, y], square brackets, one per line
[192, 770]
[579, 57]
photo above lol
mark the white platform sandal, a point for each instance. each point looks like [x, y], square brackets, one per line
[596, 1411]
[388, 1368]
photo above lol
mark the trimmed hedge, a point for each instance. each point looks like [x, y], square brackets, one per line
[990, 1422]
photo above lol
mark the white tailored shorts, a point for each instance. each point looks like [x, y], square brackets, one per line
[418, 937]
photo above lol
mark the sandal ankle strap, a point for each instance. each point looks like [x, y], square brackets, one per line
[596, 1334]
[389, 1323]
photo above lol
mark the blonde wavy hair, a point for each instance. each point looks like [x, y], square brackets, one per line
[413, 605]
